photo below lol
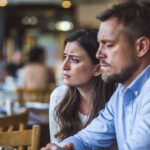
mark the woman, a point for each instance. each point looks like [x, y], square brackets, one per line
[73, 106]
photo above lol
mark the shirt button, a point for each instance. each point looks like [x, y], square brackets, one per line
[136, 93]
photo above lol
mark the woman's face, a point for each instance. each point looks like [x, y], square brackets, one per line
[78, 69]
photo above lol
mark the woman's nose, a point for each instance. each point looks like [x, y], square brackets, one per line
[65, 65]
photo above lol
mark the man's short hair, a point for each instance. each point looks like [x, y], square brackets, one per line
[133, 14]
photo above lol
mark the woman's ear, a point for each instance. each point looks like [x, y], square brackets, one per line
[143, 46]
[97, 70]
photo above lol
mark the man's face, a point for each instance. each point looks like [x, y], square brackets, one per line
[117, 56]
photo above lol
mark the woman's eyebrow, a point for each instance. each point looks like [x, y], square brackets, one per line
[71, 55]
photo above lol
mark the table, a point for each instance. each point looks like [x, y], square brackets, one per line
[38, 114]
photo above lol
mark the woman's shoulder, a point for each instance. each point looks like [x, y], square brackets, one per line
[60, 90]
[58, 93]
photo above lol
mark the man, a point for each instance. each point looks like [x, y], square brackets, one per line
[124, 54]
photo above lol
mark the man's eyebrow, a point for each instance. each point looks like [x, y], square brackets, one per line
[105, 40]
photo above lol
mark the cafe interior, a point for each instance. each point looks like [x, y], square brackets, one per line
[24, 25]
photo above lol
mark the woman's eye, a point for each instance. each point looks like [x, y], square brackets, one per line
[75, 60]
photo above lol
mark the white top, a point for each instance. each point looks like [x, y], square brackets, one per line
[56, 96]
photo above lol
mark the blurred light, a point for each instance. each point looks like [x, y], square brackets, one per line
[33, 20]
[66, 4]
[3, 3]
[25, 20]
[30, 20]
[64, 25]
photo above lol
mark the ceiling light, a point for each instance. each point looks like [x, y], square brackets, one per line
[64, 25]
[29, 20]
[3, 3]
[66, 4]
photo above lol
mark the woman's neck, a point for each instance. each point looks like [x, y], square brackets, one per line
[87, 98]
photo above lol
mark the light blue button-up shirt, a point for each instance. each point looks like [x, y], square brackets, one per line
[126, 118]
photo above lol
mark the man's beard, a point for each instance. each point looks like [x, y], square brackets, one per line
[123, 76]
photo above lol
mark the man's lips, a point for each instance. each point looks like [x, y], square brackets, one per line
[104, 65]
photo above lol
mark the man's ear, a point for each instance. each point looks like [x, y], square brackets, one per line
[97, 70]
[143, 46]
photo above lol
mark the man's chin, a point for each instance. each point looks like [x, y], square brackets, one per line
[109, 79]
[105, 77]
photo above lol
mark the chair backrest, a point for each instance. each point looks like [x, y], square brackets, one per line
[28, 139]
[34, 95]
[14, 122]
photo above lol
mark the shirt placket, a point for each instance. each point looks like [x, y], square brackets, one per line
[128, 99]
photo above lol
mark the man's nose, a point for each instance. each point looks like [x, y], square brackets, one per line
[100, 53]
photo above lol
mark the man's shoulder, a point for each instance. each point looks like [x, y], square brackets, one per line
[146, 86]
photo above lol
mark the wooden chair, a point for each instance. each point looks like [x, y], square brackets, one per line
[34, 95]
[27, 139]
[16, 121]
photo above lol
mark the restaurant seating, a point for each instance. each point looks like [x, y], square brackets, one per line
[37, 102]
[25, 139]
[33, 95]
[14, 121]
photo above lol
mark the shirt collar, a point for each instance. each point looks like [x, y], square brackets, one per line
[138, 83]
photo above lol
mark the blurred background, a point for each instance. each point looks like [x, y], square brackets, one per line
[28, 23]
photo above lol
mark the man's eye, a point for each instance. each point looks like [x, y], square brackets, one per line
[109, 45]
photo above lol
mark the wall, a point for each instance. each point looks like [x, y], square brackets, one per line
[86, 13]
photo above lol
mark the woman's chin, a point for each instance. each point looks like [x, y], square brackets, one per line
[66, 82]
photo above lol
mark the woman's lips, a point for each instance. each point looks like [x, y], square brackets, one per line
[66, 76]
